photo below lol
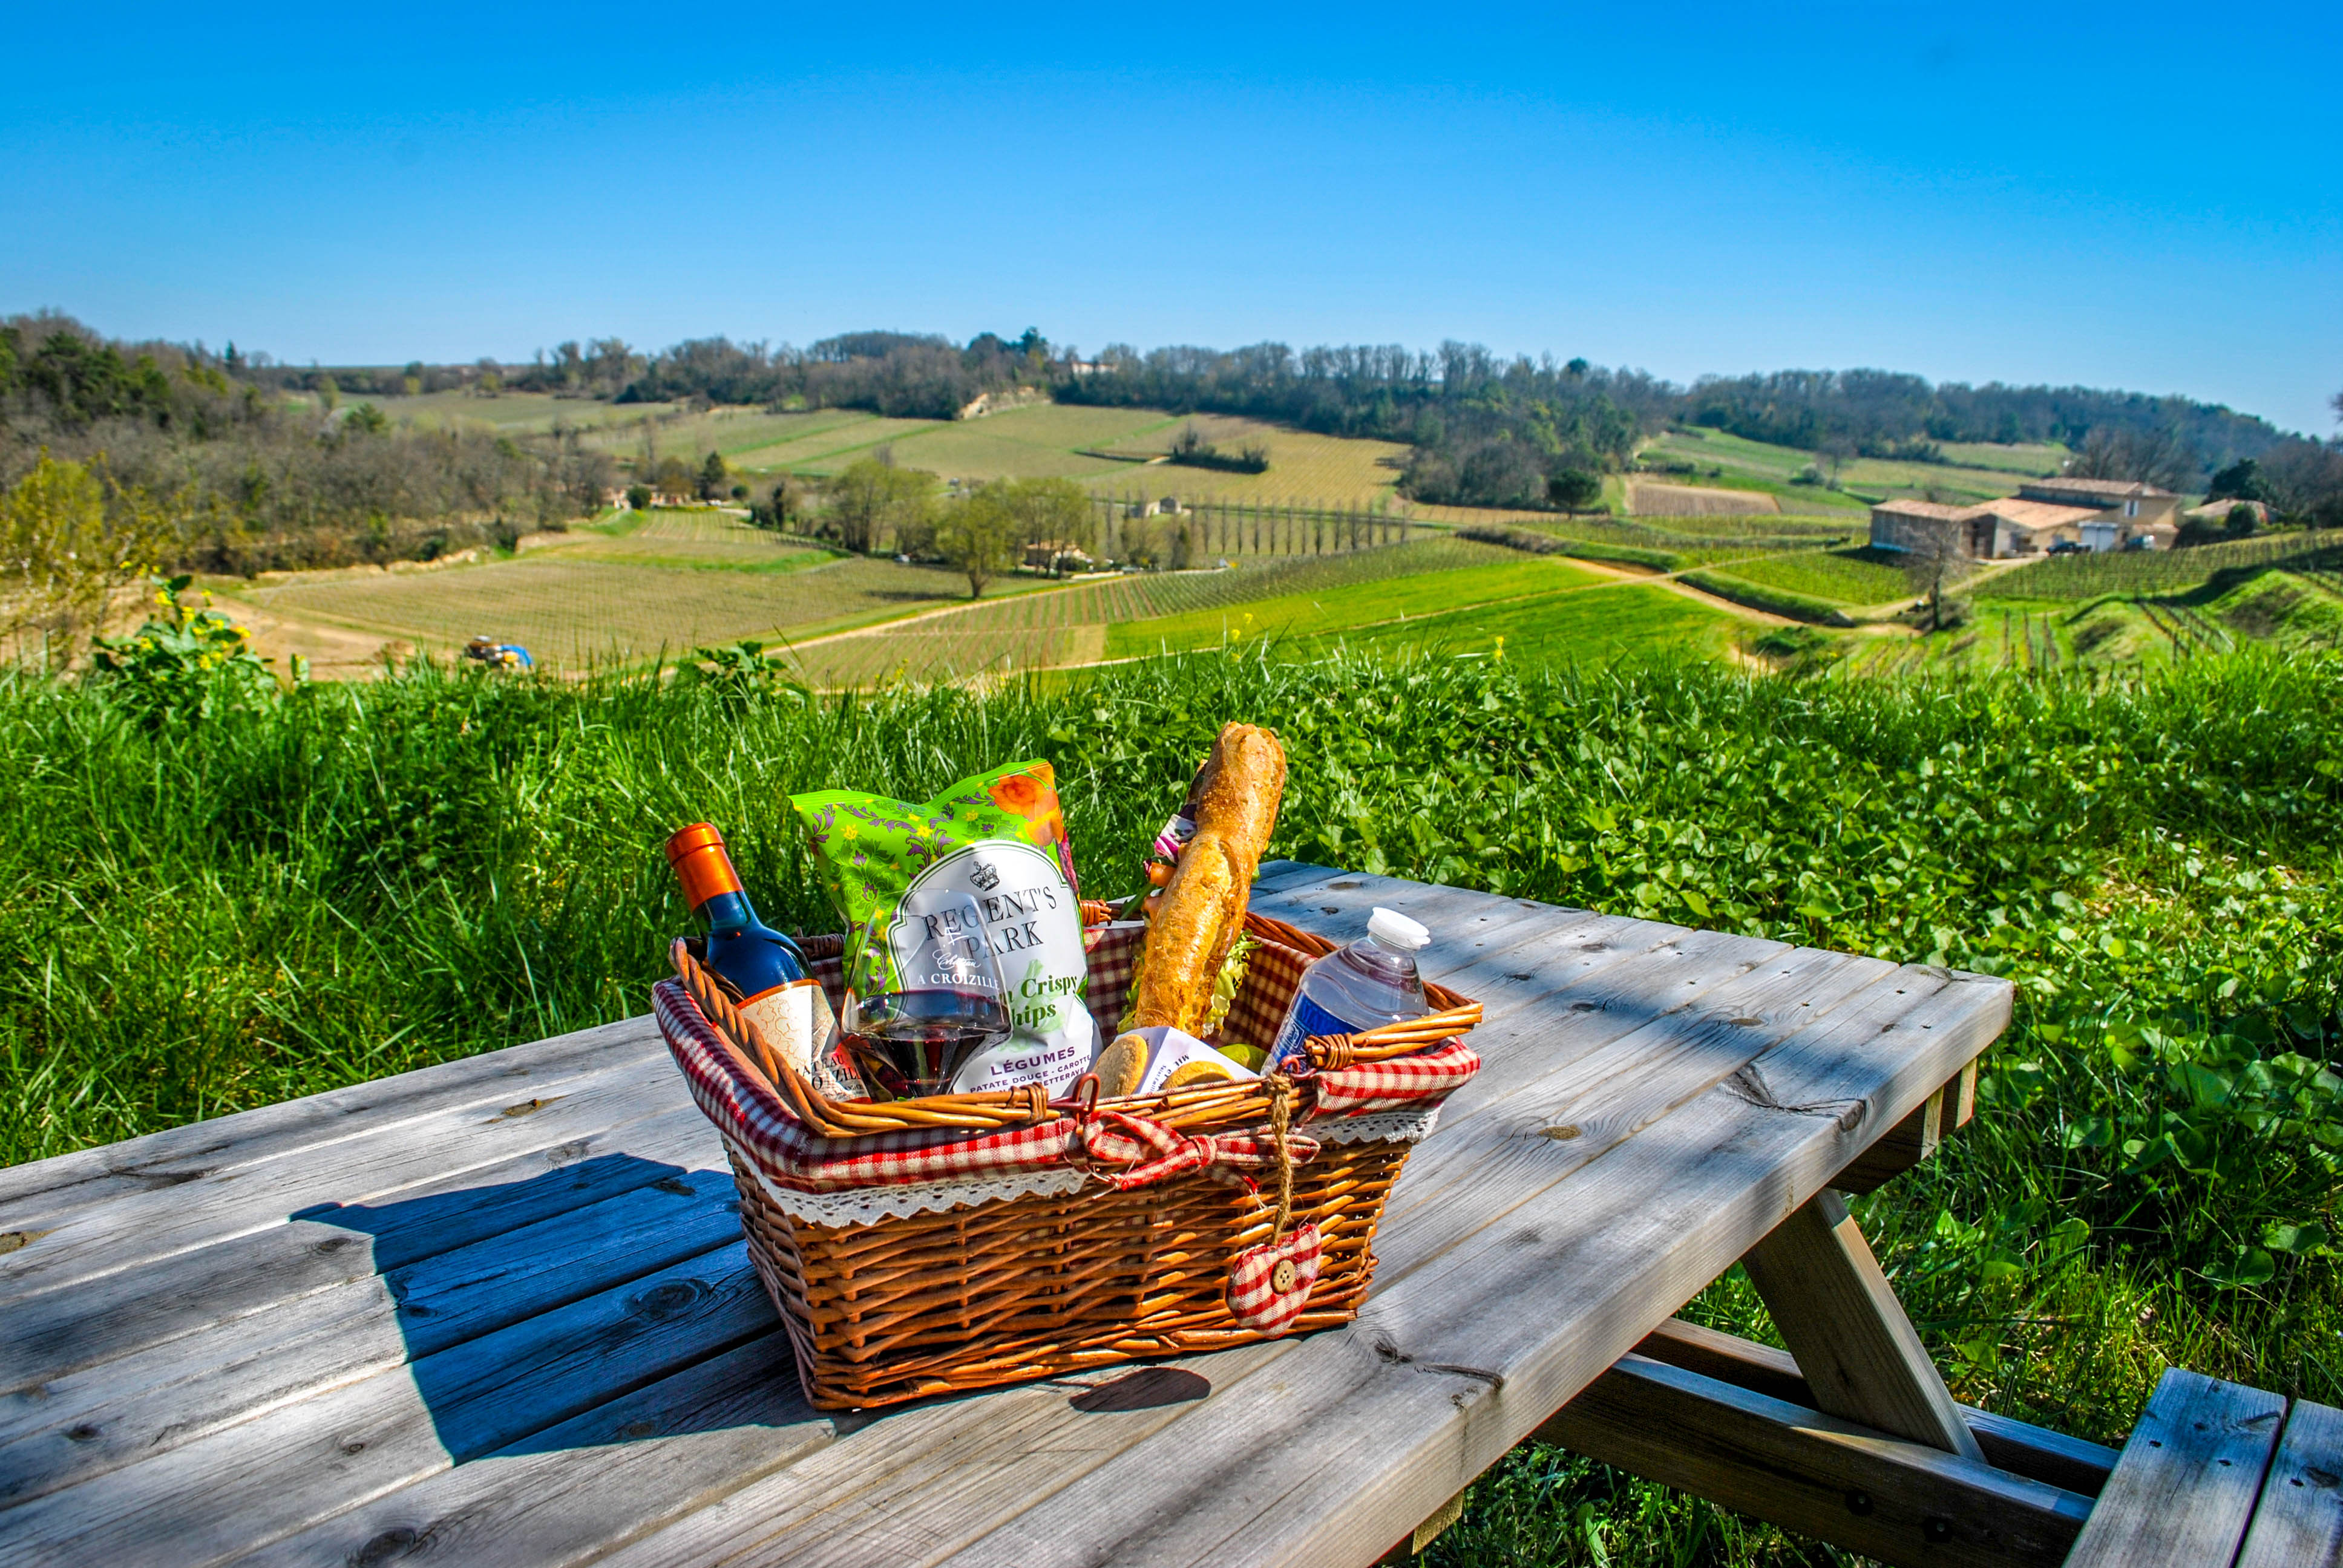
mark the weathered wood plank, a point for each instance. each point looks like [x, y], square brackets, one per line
[2036, 1453]
[933, 1519]
[1235, 1457]
[1367, 1431]
[40, 1192]
[369, 1168]
[128, 1410]
[2298, 1519]
[1847, 1332]
[573, 1490]
[1912, 1140]
[223, 1495]
[918, 1484]
[1906, 1503]
[1538, 1137]
[2185, 1488]
[130, 1309]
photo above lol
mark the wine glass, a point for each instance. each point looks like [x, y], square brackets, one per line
[925, 996]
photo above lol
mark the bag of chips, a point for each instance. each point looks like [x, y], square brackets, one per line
[997, 838]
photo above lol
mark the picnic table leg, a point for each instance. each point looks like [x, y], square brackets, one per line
[1847, 1332]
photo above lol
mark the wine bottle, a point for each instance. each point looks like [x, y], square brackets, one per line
[767, 970]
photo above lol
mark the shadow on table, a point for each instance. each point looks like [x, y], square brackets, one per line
[609, 1301]
[606, 1300]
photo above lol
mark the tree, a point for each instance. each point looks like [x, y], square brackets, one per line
[1573, 488]
[2304, 481]
[638, 496]
[69, 537]
[783, 507]
[1053, 512]
[871, 501]
[978, 535]
[2159, 457]
[2241, 480]
[1930, 565]
[673, 476]
[713, 477]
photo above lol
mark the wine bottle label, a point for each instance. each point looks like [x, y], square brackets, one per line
[797, 1022]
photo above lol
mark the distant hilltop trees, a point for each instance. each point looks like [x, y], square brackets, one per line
[899, 375]
[202, 457]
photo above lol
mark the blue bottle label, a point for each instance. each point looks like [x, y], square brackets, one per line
[1306, 1019]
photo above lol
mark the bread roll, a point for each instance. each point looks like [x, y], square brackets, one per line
[1201, 909]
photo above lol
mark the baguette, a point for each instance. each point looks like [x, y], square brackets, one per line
[1200, 911]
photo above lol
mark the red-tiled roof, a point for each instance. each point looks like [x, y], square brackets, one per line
[2040, 514]
[1929, 509]
[2113, 489]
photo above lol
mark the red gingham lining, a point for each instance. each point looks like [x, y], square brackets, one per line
[733, 1096]
[1393, 1085]
[1254, 1299]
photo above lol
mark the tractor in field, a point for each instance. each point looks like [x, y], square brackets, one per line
[498, 655]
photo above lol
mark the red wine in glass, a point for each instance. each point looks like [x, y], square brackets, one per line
[944, 1009]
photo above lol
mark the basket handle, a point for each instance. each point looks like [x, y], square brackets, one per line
[1332, 1052]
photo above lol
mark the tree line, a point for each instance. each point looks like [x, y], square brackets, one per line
[899, 375]
[1485, 430]
[1885, 414]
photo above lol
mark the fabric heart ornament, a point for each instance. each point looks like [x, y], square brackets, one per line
[1269, 1284]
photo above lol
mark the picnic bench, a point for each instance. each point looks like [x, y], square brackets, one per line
[499, 1312]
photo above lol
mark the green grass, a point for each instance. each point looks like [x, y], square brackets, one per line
[1341, 607]
[1849, 577]
[1975, 471]
[1764, 596]
[1596, 626]
[211, 908]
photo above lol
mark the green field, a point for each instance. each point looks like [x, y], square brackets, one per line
[511, 413]
[1973, 472]
[573, 611]
[2145, 572]
[1119, 616]
[686, 539]
[1345, 606]
[1847, 576]
[1597, 626]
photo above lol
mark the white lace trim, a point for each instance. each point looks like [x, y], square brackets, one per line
[869, 1205]
[1384, 1127]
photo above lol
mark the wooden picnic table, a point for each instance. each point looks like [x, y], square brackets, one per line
[499, 1312]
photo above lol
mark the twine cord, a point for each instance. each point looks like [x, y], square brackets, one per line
[1281, 1091]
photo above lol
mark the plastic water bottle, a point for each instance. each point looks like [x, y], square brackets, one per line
[1370, 983]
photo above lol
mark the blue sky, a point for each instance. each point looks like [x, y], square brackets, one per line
[2146, 196]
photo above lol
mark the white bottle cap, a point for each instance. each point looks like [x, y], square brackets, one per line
[1396, 931]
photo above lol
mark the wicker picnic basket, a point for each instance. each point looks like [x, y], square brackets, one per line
[930, 1246]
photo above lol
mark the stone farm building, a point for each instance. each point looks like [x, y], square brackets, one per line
[2095, 515]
